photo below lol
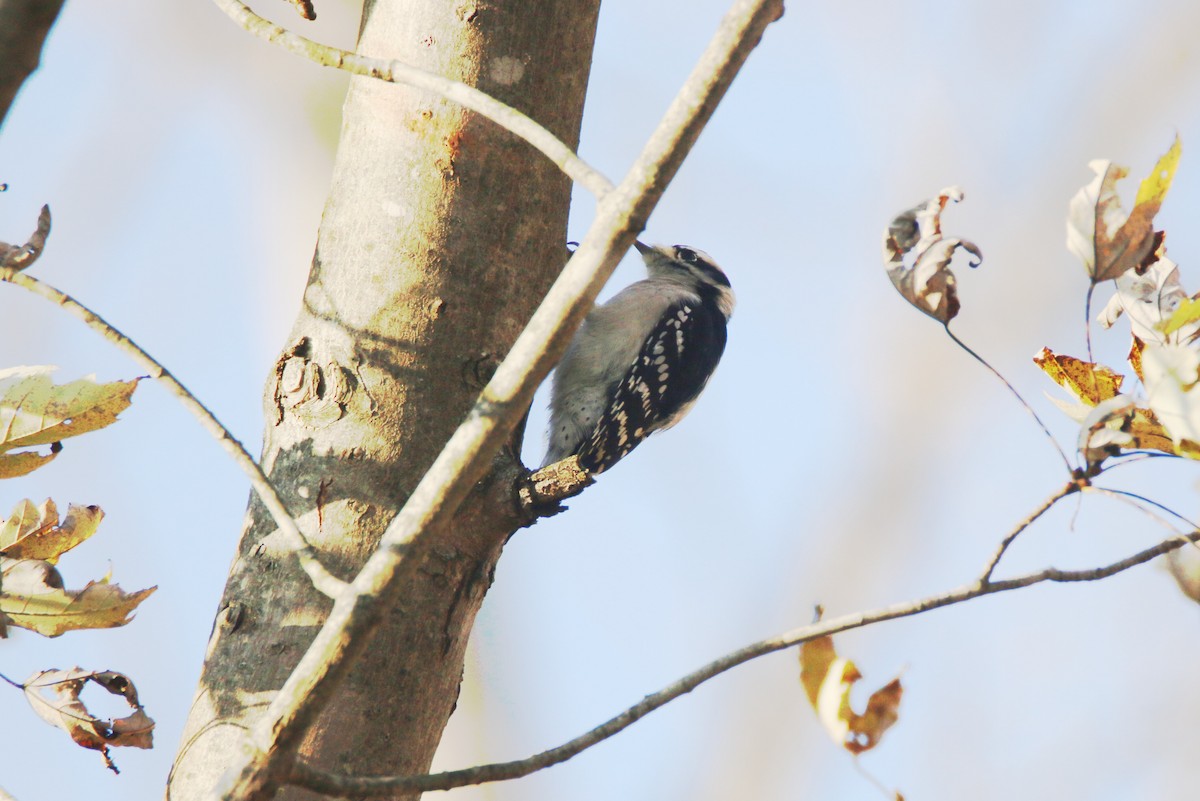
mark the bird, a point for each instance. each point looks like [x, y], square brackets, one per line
[638, 362]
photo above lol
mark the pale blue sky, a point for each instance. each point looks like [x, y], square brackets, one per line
[845, 454]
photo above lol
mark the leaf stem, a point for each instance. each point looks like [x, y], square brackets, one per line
[1070, 488]
[1087, 319]
[1136, 500]
[1017, 395]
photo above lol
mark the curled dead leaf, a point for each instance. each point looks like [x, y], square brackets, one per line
[917, 257]
[827, 680]
[54, 696]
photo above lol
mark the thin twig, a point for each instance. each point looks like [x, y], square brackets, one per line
[883, 789]
[324, 581]
[619, 216]
[1070, 488]
[374, 786]
[1016, 395]
[393, 71]
[1137, 501]
[1132, 457]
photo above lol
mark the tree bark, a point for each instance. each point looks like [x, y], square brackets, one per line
[440, 236]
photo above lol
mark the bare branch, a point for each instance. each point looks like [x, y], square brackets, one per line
[1070, 488]
[375, 786]
[1140, 502]
[392, 71]
[620, 216]
[324, 581]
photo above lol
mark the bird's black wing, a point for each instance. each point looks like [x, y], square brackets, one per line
[658, 389]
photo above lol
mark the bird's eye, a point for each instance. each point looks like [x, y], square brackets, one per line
[685, 254]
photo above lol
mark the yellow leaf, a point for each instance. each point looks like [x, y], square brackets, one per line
[827, 680]
[35, 411]
[13, 465]
[1154, 187]
[1091, 383]
[1188, 312]
[1189, 449]
[36, 533]
[32, 597]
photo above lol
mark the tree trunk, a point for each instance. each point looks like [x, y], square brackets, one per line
[440, 236]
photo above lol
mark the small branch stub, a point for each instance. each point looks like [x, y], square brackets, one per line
[305, 9]
[542, 492]
[19, 257]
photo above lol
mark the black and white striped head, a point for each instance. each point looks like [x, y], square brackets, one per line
[691, 266]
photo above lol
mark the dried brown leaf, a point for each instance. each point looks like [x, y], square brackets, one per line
[54, 696]
[1108, 242]
[917, 257]
[1136, 347]
[1120, 424]
[1150, 435]
[33, 532]
[32, 597]
[14, 465]
[35, 411]
[827, 680]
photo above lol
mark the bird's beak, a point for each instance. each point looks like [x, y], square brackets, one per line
[642, 247]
